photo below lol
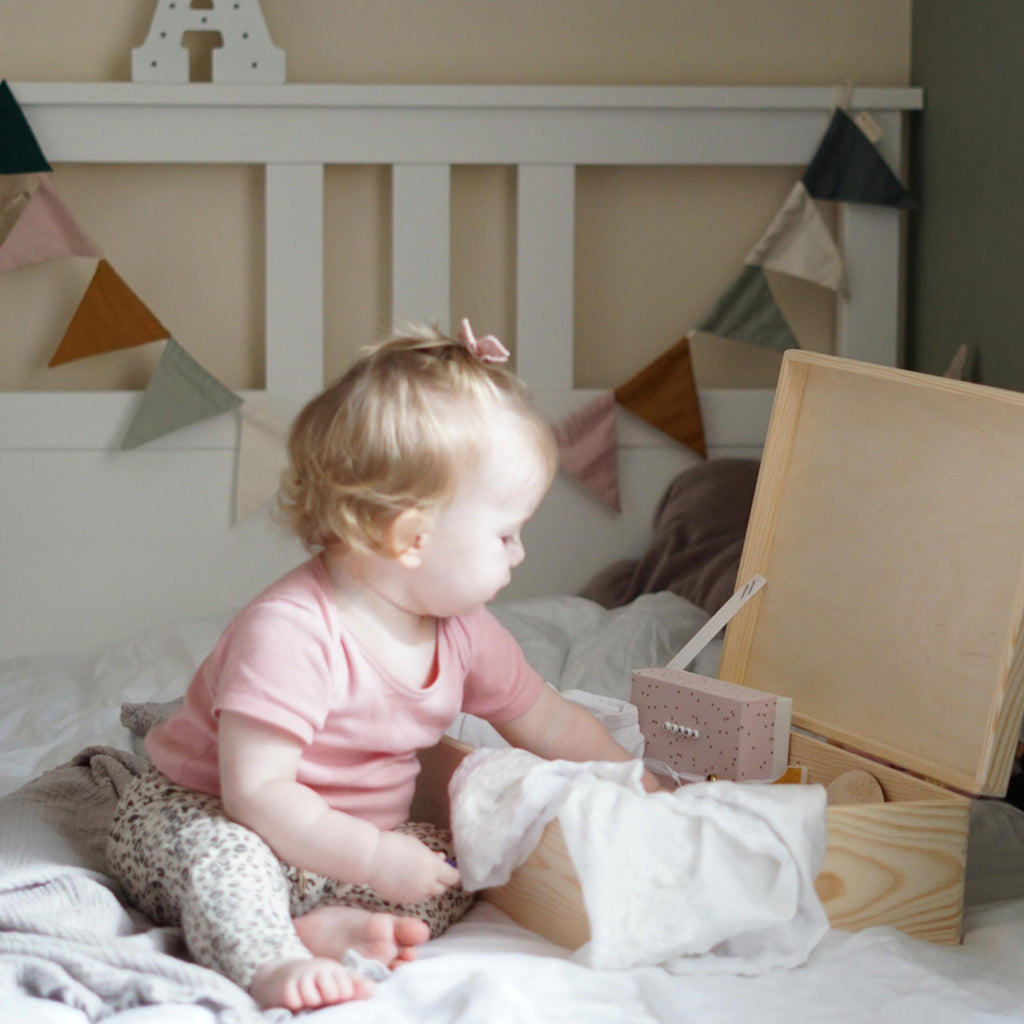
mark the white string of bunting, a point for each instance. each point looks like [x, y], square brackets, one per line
[846, 167]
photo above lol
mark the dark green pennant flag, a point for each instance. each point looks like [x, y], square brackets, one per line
[19, 151]
[848, 167]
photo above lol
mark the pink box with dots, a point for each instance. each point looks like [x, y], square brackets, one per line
[700, 726]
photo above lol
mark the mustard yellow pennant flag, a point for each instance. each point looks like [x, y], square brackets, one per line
[109, 317]
[664, 394]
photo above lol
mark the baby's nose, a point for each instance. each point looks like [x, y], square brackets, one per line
[516, 553]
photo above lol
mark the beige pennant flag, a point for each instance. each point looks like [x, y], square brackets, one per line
[588, 448]
[960, 366]
[262, 458]
[798, 243]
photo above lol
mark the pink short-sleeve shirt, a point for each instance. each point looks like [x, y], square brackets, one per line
[287, 660]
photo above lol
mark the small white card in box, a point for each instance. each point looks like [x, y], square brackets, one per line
[701, 727]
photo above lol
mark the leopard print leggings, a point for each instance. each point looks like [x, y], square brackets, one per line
[184, 863]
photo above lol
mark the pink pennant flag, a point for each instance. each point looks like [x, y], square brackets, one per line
[588, 448]
[45, 230]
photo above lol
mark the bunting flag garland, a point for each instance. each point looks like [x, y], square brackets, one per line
[664, 394]
[180, 393]
[109, 317]
[262, 458]
[44, 230]
[588, 448]
[799, 243]
[747, 311]
[848, 167]
[19, 151]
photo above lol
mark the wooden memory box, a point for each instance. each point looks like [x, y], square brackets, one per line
[888, 520]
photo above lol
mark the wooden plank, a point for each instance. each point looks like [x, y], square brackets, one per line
[545, 275]
[880, 493]
[825, 761]
[545, 895]
[897, 864]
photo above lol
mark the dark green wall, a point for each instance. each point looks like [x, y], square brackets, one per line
[966, 242]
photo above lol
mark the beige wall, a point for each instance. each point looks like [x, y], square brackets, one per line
[656, 246]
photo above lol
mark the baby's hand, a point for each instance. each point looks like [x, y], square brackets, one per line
[407, 871]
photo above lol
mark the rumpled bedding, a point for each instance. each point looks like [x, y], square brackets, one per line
[65, 935]
[70, 953]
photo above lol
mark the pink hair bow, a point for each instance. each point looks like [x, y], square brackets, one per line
[487, 349]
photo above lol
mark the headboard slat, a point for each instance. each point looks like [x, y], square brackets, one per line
[545, 274]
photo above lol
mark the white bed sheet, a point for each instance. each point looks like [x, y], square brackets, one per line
[488, 970]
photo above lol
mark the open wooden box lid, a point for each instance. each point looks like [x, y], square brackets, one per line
[889, 522]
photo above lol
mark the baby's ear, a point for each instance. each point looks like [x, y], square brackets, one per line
[406, 536]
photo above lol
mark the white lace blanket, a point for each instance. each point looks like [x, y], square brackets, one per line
[712, 878]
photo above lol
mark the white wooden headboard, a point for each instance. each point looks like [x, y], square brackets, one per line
[97, 543]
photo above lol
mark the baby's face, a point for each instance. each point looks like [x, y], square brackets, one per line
[475, 541]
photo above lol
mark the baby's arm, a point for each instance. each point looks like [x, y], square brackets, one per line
[259, 788]
[555, 728]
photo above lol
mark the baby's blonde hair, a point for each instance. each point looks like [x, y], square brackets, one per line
[397, 431]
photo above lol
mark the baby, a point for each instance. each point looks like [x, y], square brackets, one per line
[272, 825]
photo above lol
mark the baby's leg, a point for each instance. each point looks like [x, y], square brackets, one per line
[182, 861]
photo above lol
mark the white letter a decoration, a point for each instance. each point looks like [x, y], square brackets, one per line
[247, 53]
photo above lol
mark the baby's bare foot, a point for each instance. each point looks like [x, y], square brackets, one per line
[330, 931]
[306, 984]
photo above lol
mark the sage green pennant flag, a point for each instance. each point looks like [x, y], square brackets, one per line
[180, 393]
[19, 150]
[747, 311]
